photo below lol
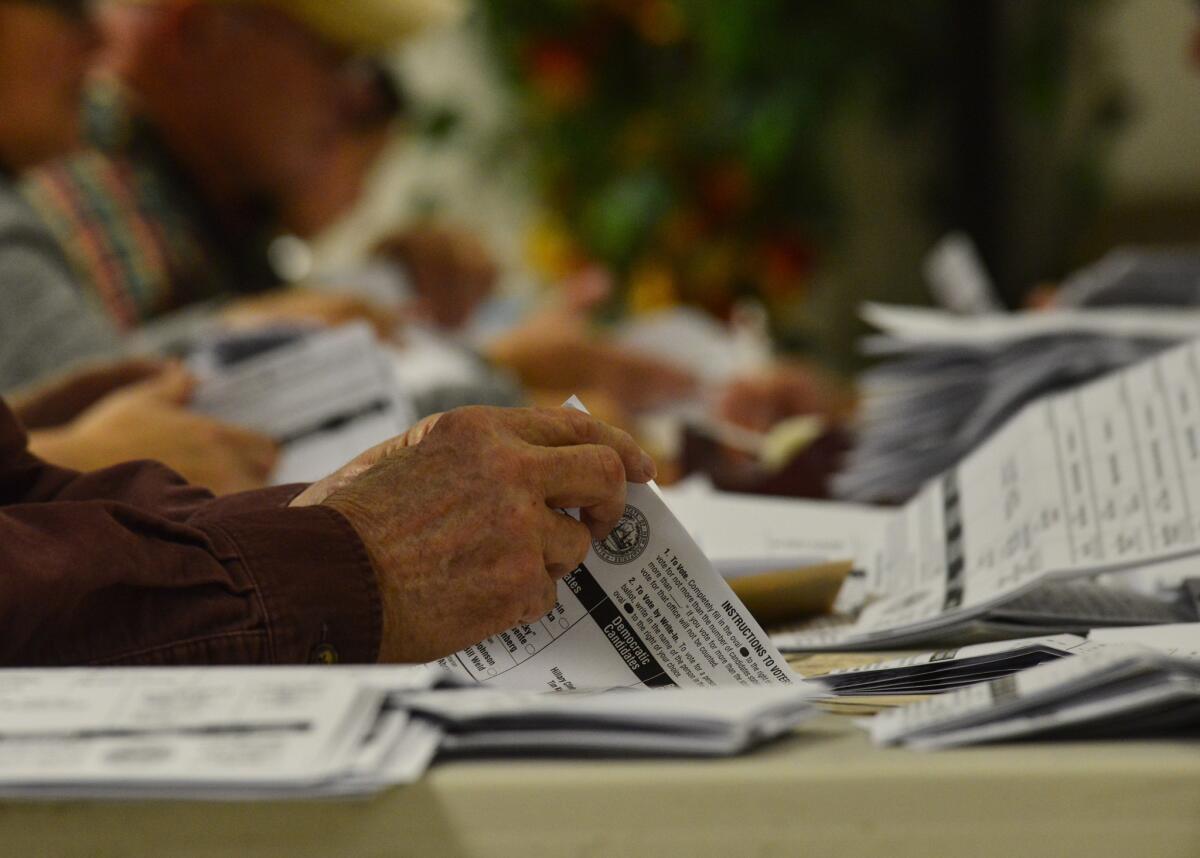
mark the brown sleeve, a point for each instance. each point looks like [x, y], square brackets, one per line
[131, 565]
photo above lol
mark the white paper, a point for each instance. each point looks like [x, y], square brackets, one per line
[747, 534]
[1102, 477]
[921, 328]
[1179, 640]
[655, 614]
[666, 721]
[326, 398]
[197, 727]
[1102, 680]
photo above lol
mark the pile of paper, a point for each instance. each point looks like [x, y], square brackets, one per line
[675, 722]
[208, 733]
[949, 382]
[326, 397]
[224, 733]
[946, 670]
[1104, 477]
[1105, 689]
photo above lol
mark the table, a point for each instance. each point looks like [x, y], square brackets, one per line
[825, 791]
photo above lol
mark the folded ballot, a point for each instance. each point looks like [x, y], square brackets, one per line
[1105, 689]
[669, 722]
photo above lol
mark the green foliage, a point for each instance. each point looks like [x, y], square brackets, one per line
[664, 130]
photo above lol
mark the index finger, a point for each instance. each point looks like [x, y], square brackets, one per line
[566, 427]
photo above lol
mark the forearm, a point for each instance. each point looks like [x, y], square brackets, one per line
[119, 585]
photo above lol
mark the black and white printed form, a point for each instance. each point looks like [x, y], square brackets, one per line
[1104, 689]
[326, 398]
[171, 727]
[1099, 478]
[645, 608]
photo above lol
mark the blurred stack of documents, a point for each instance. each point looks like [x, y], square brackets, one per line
[262, 733]
[680, 722]
[1104, 477]
[948, 382]
[208, 733]
[1108, 687]
[946, 670]
[326, 397]
[1135, 277]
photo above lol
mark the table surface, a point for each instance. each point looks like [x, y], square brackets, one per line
[822, 790]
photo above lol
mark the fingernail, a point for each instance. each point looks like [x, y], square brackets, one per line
[648, 467]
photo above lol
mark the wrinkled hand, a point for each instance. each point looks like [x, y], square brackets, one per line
[451, 271]
[148, 420]
[310, 307]
[62, 399]
[463, 525]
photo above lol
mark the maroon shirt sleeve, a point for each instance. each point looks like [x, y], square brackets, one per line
[131, 565]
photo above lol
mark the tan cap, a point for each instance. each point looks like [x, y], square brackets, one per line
[359, 25]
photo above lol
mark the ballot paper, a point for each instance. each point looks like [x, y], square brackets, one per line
[1103, 477]
[325, 397]
[179, 731]
[304, 732]
[678, 721]
[945, 670]
[1105, 689]
[1175, 639]
[645, 608]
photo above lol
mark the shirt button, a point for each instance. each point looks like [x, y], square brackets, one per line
[323, 653]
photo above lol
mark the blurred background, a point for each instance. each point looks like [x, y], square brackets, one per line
[803, 154]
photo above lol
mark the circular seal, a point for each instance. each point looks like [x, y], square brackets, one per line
[628, 539]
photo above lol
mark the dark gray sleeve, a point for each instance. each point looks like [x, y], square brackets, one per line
[46, 322]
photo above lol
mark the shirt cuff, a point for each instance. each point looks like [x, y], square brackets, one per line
[274, 497]
[317, 586]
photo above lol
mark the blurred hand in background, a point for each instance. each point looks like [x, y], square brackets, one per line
[149, 420]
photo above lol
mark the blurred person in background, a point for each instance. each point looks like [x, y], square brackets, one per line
[217, 125]
[203, 118]
[131, 565]
[104, 412]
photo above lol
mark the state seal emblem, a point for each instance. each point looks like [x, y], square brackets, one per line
[628, 539]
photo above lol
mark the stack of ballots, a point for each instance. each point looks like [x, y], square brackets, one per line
[1107, 687]
[948, 382]
[945, 670]
[951, 378]
[259, 733]
[1101, 478]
